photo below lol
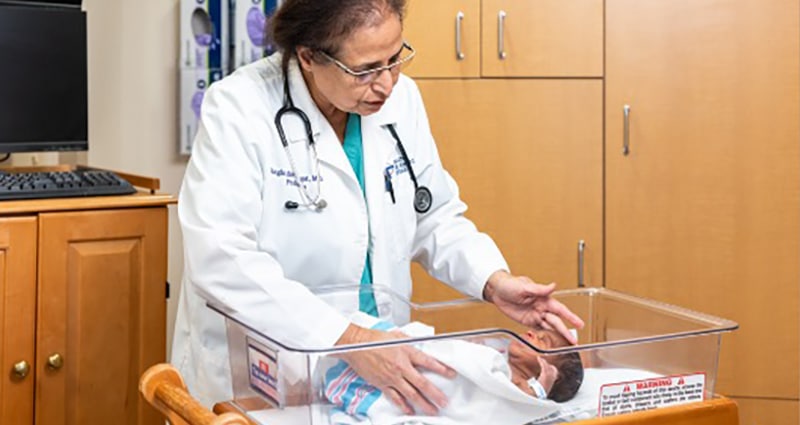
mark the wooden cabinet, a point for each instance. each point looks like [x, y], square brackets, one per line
[531, 178]
[17, 312]
[703, 210]
[454, 50]
[766, 411]
[83, 303]
[540, 38]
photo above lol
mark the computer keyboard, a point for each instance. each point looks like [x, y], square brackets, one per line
[57, 184]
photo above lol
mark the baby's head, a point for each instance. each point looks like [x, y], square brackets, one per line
[524, 363]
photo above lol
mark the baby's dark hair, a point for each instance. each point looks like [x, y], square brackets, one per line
[570, 371]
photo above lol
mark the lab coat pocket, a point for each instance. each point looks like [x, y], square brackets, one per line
[400, 219]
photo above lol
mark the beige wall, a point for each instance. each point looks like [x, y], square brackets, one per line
[133, 57]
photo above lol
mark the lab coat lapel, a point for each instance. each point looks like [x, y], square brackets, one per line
[329, 149]
[377, 147]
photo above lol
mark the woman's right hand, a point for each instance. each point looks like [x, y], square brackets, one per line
[394, 370]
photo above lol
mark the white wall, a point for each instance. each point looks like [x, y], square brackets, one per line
[133, 87]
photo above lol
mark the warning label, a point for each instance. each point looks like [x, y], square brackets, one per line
[633, 396]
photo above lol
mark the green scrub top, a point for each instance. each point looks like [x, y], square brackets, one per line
[353, 148]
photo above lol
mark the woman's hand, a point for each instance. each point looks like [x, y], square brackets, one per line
[530, 303]
[547, 375]
[394, 370]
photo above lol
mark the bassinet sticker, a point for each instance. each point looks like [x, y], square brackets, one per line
[646, 394]
[263, 368]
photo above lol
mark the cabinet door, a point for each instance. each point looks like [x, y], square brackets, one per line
[17, 318]
[102, 308]
[542, 38]
[446, 35]
[527, 156]
[756, 411]
[703, 211]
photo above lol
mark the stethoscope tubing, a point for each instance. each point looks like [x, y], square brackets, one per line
[288, 108]
[422, 195]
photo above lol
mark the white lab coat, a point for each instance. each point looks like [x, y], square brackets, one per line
[245, 251]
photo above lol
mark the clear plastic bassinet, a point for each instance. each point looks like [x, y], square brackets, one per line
[637, 354]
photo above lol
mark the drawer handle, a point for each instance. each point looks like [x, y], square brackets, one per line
[626, 129]
[21, 369]
[459, 20]
[55, 361]
[581, 252]
[501, 20]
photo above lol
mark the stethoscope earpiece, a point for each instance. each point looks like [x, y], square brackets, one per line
[291, 205]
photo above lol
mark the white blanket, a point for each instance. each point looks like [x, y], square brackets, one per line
[482, 393]
[583, 406]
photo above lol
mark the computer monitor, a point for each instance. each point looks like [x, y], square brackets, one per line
[43, 77]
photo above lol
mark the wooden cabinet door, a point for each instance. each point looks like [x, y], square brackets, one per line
[17, 318]
[756, 411]
[527, 155]
[102, 308]
[446, 36]
[703, 211]
[542, 38]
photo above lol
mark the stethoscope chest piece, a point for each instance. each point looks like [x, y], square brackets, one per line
[422, 195]
[422, 199]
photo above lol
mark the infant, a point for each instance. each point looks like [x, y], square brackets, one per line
[511, 385]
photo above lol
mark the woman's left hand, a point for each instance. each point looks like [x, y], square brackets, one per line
[530, 303]
[547, 375]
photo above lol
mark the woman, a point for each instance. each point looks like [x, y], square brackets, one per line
[273, 205]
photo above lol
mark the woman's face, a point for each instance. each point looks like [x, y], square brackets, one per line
[367, 47]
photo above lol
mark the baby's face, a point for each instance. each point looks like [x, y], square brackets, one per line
[524, 361]
[524, 357]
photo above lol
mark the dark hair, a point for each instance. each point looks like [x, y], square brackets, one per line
[322, 25]
[570, 372]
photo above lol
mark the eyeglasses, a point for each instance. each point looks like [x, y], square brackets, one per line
[367, 76]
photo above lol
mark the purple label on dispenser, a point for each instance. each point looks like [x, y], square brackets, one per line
[197, 101]
[256, 26]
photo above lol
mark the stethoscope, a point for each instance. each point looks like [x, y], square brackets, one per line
[422, 195]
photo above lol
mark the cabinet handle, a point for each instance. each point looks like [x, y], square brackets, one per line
[459, 19]
[55, 361]
[501, 20]
[581, 251]
[626, 129]
[21, 369]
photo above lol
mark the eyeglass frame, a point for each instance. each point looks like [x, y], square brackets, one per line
[373, 71]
